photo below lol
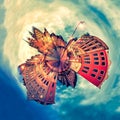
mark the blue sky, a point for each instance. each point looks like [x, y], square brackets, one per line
[85, 101]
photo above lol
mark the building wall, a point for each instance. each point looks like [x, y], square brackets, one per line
[94, 67]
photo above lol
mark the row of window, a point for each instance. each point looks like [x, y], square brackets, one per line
[35, 89]
[86, 69]
[46, 82]
[31, 86]
[96, 54]
[98, 78]
[95, 70]
[93, 74]
[46, 69]
[92, 48]
[96, 59]
[88, 43]
[41, 90]
[97, 63]
[29, 77]
[92, 45]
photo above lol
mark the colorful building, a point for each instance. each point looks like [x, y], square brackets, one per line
[87, 56]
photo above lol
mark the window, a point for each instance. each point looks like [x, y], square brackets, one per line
[84, 71]
[53, 85]
[55, 77]
[93, 75]
[87, 58]
[101, 72]
[47, 83]
[86, 67]
[90, 44]
[94, 47]
[87, 62]
[84, 47]
[99, 78]
[103, 63]
[100, 45]
[96, 58]
[95, 70]
[87, 50]
[87, 42]
[95, 54]
[96, 41]
[40, 76]
[101, 53]
[96, 63]
[102, 58]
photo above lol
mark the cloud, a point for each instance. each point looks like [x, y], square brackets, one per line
[118, 109]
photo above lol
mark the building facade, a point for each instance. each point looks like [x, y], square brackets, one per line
[91, 58]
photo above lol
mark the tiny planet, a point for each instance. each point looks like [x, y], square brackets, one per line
[86, 56]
